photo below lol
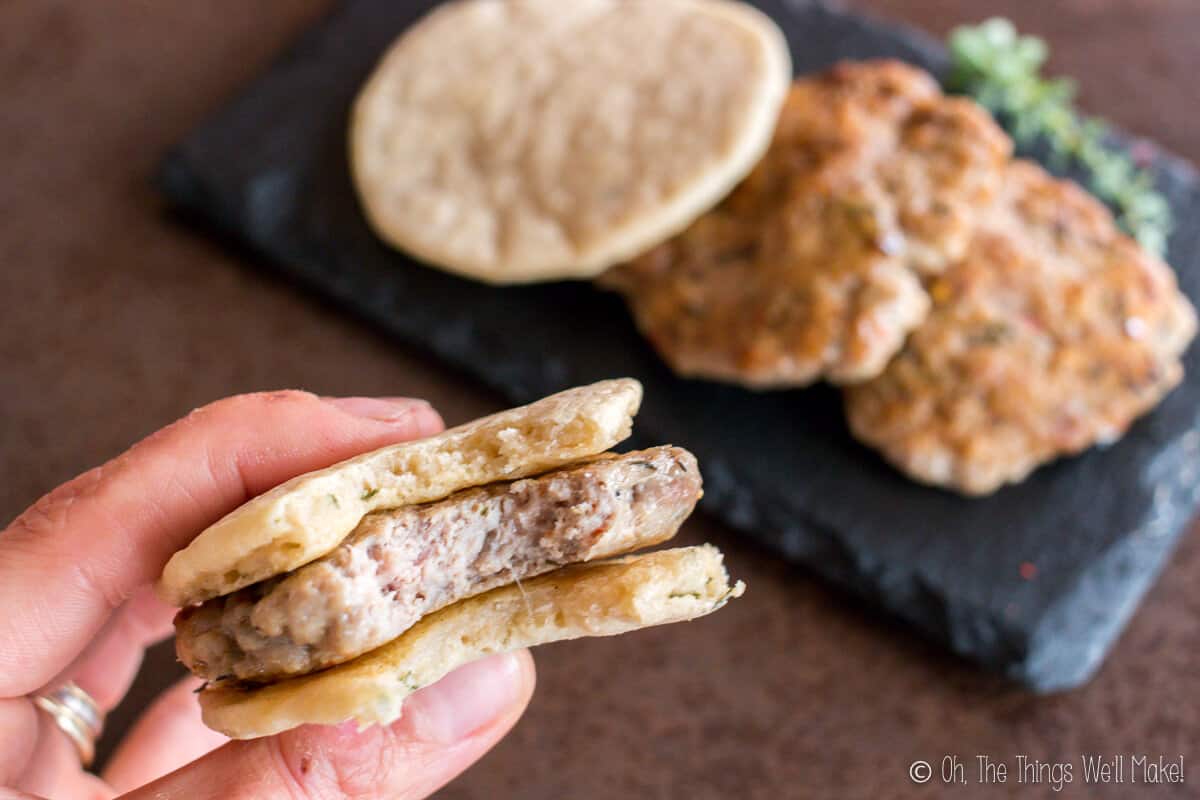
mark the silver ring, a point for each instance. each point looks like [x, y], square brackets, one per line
[76, 714]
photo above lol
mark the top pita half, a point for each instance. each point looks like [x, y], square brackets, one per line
[513, 141]
[306, 517]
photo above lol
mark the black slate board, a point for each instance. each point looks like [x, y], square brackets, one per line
[270, 170]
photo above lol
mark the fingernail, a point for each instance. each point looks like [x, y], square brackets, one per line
[464, 701]
[384, 409]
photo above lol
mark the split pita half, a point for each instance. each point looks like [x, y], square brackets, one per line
[308, 516]
[597, 599]
[523, 140]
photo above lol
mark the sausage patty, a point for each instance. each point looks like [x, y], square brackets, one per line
[402, 564]
[1053, 334]
[812, 267]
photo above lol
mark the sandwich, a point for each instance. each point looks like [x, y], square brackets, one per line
[337, 594]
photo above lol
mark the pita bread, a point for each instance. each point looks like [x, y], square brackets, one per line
[523, 140]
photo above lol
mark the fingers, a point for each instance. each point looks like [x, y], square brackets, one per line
[167, 736]
[18, 732]
[445, 728]
[111, 660]
[82, 550]
[104, 671]
[53, 768]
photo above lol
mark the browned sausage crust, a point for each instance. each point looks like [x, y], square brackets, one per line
[1053, 334]
[812, 267]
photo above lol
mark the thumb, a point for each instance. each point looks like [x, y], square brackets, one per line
[445, 728]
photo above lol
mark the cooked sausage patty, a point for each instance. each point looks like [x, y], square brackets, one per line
[812, 267]
[1053, 334]
[400, 565]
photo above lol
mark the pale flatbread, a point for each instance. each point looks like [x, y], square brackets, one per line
[524, 140]
[599, 599]
[309, 515]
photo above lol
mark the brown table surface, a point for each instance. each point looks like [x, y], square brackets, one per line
[117, 320]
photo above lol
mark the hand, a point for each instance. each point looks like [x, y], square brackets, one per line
[75, 575]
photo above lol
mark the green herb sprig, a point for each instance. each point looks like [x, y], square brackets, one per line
[1002, 71]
